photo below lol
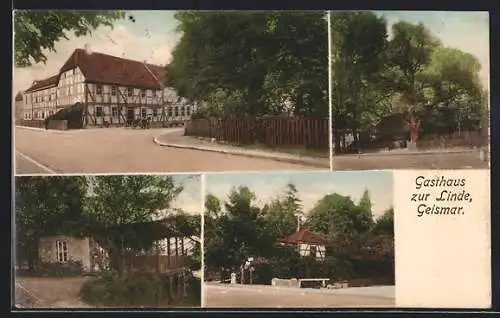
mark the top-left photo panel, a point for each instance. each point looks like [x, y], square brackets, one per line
[170, 91]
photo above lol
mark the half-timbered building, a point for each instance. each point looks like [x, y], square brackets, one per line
[105, 90]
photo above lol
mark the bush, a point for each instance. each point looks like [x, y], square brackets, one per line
[69, 269]
[138, 289]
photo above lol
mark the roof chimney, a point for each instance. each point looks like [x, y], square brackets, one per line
[88, 49]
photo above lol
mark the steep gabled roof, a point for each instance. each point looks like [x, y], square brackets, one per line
[45, 83]
[305, 236]
[108, 69]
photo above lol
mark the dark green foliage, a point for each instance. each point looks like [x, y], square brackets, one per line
[36, 31]
[411, 74]
[132, 290]
[360, 247]
[46, 206]
[122, 208]
[138, 289]
[245, 63]
[119, 214]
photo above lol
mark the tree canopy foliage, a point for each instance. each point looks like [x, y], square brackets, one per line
[36, 31]
[118, 212]
[410, 72]
[252, 63]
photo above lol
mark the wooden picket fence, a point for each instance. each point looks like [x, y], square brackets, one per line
[275, 132]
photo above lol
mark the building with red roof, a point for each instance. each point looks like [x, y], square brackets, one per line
[308, 243]
[112, 91]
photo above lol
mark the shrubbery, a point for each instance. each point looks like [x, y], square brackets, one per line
[69, 269]
[139, 289]
[335, 269]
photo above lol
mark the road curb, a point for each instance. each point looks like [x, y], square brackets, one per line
[52, 131]
[302, 161]
[422, 153]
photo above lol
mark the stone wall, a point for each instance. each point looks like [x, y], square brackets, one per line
[278, 282]
[58, 124]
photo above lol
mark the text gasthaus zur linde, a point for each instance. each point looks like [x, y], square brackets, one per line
[440, 196]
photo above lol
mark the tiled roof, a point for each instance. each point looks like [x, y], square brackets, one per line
[305, 236]
[45, 83]
[108, 69]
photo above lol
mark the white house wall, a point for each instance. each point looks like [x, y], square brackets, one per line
[78, 250]
[70, 89]
[305, 250]
[40, 104]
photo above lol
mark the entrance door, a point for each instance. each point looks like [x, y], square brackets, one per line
[130, 114]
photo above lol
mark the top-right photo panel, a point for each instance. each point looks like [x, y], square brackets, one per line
[409, 90]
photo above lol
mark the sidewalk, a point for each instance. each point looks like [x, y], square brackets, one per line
[370, 291]
[178, 140]
[54, 131]
[411, 152]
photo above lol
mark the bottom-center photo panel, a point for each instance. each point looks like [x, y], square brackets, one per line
[299, 240]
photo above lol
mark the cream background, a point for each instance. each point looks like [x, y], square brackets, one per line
[443, 261]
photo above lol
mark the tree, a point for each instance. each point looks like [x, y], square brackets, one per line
[36, 31]
[385, 223]
[280, 215]
[409, 51]
[249, 63]
[365, 204]
[454, 86]
[46, 206]
[338, 216]
[121, 200]
[237, 233]
[358, 59]
[381, 237]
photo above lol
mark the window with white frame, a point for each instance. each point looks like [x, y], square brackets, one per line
[98, 89]
[113, 90]
[62, 251]
[130, 91]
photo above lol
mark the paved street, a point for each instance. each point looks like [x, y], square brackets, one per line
[44, 292]
[121, 150]
[27, 166]
[446, 160]
[274, 297]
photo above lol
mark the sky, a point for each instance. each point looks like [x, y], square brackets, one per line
[311, 186]
[152, 38]
[190, 199]
[467, 31]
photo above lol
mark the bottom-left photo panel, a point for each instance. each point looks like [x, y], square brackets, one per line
[107, 241]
